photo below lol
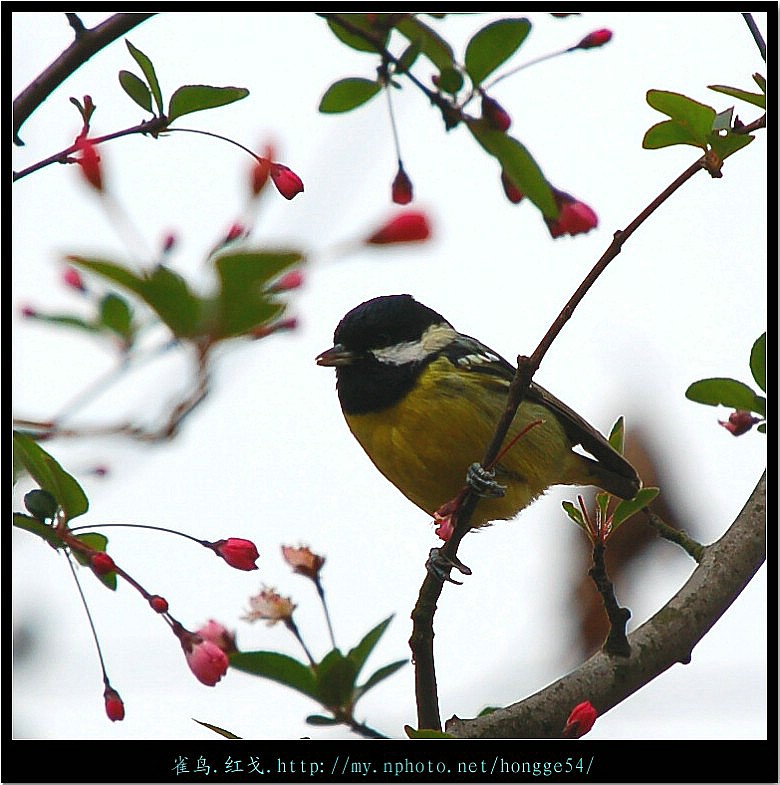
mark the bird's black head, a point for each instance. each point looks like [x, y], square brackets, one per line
[380, 348]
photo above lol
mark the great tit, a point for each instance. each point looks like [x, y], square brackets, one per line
[424, 401]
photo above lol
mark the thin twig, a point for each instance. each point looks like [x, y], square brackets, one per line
[756, 33]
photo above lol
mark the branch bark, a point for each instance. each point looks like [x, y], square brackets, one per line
[727, 566]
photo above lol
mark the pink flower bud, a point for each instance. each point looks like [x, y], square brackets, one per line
[286, 181]
[292, 280]
[219, 635]
[206, 660]
[99, 471]
[238, 553]
[264, 330]
[575, 217]
[169, 242]
[594, 39]
[580, 720]
[402, 189]
[72, 278]
[407, 227]
[28, 312]
[513, 193]
[102, 563]
[159, 604]
[236, 230]
[739, 422]
[495, 114]
[89, 161]
[115, 709]
[303, 561]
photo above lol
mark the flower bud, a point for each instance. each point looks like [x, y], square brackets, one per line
[303, 561]
[238, 553]
[739, 422]
[159, 604]
[264, 330]
[402, 189]
[513, 193]
[102, 563]
[72, 278]
[495, 114]
[219, 635]
[28, 312]
[206, 660]
[115, 709]
[594, 39]
[407, 227]
[575, 217]
[580, 720]
[286, 181]
[292, 280]
[89, 161]
[236, 231]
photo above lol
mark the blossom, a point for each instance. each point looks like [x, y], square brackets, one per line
[286, 181]
[89, 161]
[513, 193]
[238, 553]
[574, 217]
[495, 114]
[402, 189]
[303, 561]
[407, 227]
[262, 169]
[270, 606]
[580, 720]
[594, 39]
[115, 708]
[219, 635]
[739, 422]
[206, 660]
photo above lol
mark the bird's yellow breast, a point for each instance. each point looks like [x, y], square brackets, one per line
[425, 443]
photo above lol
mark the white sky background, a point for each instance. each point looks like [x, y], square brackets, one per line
[268, 455]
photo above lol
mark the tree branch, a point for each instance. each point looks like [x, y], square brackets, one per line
[88, 41]
[667, 638]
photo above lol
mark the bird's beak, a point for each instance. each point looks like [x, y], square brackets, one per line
[335, 356]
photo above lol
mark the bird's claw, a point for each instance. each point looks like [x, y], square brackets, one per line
[440, 565]
[483, 482]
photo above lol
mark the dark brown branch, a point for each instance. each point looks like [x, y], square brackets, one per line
[756, 33]
[616, 643]
[667, 638]
[88, 41]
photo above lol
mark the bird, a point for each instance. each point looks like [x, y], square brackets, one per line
[423, 400]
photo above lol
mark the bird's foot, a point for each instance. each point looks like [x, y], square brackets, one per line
[439, 566]
[483, 482]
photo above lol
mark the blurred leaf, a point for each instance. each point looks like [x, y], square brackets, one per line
[488, 710]
[50, 476]
[277, 667]
[197, 97]
[99, 542]
[117, 316]
[66, 320]
[137, 89]
[148, 72]
[628, 507]
[221, 731]
[617, 436]
[336, 676]
[431, 44]
[360, 653]
[408, 58]
[450, 80]
[493, 45]
[166, 292]
[426, 734]
[34, 526]
[318, 719]
[762, 428]
[380, 675]
[725, 392]
[691, 122]
[518, 164]
[722, 121]
[758, 361]
[757, 99]
[355, 41]
[348, 94]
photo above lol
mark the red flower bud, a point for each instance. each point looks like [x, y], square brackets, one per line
[580, 720]
[292, 280]
[495, 114]
[238, 553]
[236, 230]
[286, 181]
[102, 563]
[72, 278]
[513, 193]
[115, 709]
[594, 39]
[169, 242]
[206, 660]
[575, 217]
[89, 161]
[159, 604]
[28, 312]
[407, 227]
[267, 329]
[739, 422]
[402, 189]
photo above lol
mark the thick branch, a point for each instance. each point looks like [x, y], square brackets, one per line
[669, 637]
[88, 42]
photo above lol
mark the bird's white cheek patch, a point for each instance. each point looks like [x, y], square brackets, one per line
[433, 340]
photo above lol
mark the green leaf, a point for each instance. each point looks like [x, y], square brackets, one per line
[575, 514]
[355, 41]
[450, 80]
[66, 320]
[319, 719]
[221, 731]
[408, 58]
[518, 163]
[758, 361]
[360, 653]
[348, 94]
[148, 71]
[666, 134]
[42, 530]
[426, 734]
[50, 476]
[431, 44]
[757, 99]
[617, 435]
[41, 504]
[726, 392]
[493, 45]
[727, 145]
[99, 542]
[692, 120]
[163, 290]
[242, 302]
[277, 667]
[629, 507]
[336, 676]
[197, 97]
[761, 82]
[380, 675]
[136, 88]
[116, 315]
[762, 428]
